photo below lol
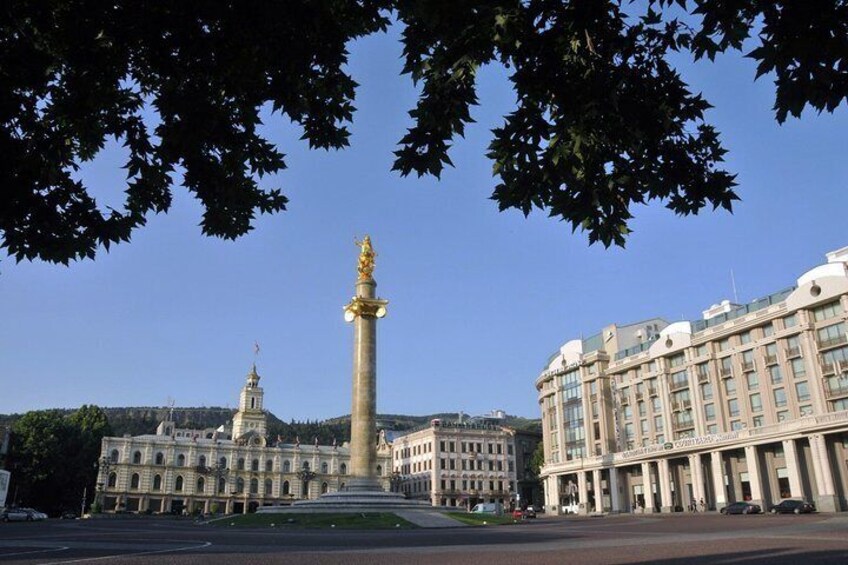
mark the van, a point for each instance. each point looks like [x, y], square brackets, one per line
[495, 508]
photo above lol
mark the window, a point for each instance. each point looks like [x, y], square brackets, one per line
[658, 424]
[756, 403]
[201, 485]
[709, 411]
[180, 460]
[223, 463]
[239, 485]
[730, 386]
[324, 467]
[379, 470]
[799, 369]
[736, 425]
[806, 410]
[222, 485]
[160, 458]
[628, 413]
[286, 466]
[137, 457]
[827, 311]
[113, 456]
[753, 381]
[726, 365]
[641, 407]
[768, 330]
[701, 350]
[324, 488]
[831, 335]
[240, 466]
[712, 429]
[254, 486]
[707, 391]
[343, 469]
[803, 391]
[113, 480]
[643, 427]
[178, 484]
[745, 337]
[758, 421]
[134, 481]
[771, 353]
[305, 466]
[782, 416]
[677, 360]
[790, 321]
[201, 461]
[776, 374]
[733, 407]
[779, 397]
[724, 344]
[286, 487]
[157, 482]
[656, 405]
[269, 465]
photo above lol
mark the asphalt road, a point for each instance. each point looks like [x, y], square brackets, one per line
[691, 539]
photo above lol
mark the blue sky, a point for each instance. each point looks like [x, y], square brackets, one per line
[478, 299]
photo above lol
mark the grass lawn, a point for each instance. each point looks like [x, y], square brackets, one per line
[479, 519]
[349, 521]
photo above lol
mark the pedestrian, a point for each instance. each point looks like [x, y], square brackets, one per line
[702, 505]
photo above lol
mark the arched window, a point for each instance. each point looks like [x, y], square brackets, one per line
[379, 470]
[222, 463]
[324, 488]
[180, 460]
[222, 485]
[254, 465]
[252, 403]
[113, 457]
[324, 467]
[286, 488]
[239, 485]
[137, 457]
[344, 469]
[157, 482]
[168, 431]
[113, 479]
[134, 481]
[286, 466]
[254, 486]
[241, 464]
[202, 461]
[160, 458]
[269, 465]
[201, 485]
[178, 485]
[306, 465]
[269, 487]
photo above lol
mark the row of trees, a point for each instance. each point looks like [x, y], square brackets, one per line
[53, 458]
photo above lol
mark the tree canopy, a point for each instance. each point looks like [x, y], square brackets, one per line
[602, 121]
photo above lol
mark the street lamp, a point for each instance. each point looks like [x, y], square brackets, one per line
[305, 475]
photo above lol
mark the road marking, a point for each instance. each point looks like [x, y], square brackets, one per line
[174, 550]
[34, 551]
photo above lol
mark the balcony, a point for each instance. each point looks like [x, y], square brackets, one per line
[679, 385]
[771, 359]
[833, 341]
[625, 399]
[652, 391]
[828, 368]
[680, 405]
[725, 372]
[793, 352]
[747, 366]
[682, 425]
[703, 378]
[639, 395]
[836, 391]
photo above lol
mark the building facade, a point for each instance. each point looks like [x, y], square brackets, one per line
[459, 465]
[231, 469]
[748, 403]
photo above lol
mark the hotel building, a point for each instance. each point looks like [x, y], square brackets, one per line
[748, 403]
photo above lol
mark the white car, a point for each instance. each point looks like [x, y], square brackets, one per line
[34, 514]
[14, 515]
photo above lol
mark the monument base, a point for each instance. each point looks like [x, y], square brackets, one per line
[350, 501]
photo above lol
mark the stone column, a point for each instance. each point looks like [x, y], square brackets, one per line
[583, 492]
[697, 473]
[718, 480]
[664, 480]
[647, 487]
[615, 496]
[597, 490]
[825, 499]
[753, 463]
[792, 469]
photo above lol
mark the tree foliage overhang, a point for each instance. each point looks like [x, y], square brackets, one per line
[602, 120]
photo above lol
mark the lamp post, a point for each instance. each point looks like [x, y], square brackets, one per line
[305, 476]
[102, 465]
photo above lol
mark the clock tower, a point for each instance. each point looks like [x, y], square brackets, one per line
[250, 416]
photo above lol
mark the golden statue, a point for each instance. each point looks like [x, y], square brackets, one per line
[366, 258]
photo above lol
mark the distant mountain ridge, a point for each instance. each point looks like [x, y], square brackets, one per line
[139, 420]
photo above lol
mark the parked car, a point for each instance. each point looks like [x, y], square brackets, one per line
[68, 515]
[792, 506]
[495, 508]
[13, 515]
[741, 508]
[518, 514]
[529, 512]
[34, 514]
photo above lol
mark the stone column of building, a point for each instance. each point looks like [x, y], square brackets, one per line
[647, 487]
[792, 469]
[552, 493]
[615, 496]
[583, 491]
[753, 463]
[597, 491]
[697, 477]
[664, 480]
[718, 480]
[825, 499]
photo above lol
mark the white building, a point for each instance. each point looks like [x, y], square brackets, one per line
[221, 470]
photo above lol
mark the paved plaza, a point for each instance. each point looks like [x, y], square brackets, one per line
[621, 539]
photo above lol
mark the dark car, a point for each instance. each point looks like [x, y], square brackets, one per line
[741, 508]
[529, 512]
[69, 515]
[790, 506]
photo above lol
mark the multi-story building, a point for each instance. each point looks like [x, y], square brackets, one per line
[455, 464]
[228, 469]
[748, 403]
